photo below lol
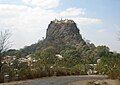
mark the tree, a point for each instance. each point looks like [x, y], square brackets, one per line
[71, 57]
[110, 65]
[48, 55]
[4, 43]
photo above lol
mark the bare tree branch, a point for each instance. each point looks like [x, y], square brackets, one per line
[4, 40]
[4, 43]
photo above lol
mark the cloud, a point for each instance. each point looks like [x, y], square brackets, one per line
[26, 1]
[102, 30]
[46, 4]
[23, 17]
[77, 14]
[86, 21]
[73, 12]
[27, 18]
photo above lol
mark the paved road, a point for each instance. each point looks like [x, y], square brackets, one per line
[64, 80]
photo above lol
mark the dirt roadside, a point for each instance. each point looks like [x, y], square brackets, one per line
[85, 82]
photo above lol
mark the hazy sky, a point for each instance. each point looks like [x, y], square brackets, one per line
[98, 20]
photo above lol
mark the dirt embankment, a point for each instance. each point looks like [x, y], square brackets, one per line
[99, 82]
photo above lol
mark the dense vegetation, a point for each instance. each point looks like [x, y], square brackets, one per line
[73, 62]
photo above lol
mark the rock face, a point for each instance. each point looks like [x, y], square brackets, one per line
[61, 33]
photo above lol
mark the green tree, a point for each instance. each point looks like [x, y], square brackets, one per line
[71, 57]
[110, 65]
[79, 69]
[48, 55]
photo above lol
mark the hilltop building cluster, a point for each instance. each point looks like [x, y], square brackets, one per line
[63, 21]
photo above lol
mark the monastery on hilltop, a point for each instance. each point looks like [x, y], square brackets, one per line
[63, 21]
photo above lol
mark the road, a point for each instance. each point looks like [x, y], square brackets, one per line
[63, 80]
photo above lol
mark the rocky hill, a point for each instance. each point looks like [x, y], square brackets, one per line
[62, 32]
[61, 35]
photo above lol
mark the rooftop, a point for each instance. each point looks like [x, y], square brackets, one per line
[63, 21]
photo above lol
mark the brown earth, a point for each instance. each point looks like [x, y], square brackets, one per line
[85, 82]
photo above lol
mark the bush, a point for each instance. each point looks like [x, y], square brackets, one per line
[1, 78]
[114, 74]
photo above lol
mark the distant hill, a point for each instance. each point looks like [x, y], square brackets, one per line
[64, 35]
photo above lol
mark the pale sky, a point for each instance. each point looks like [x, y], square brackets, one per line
[98, 20]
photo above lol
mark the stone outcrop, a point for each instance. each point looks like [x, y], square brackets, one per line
[62, 32]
